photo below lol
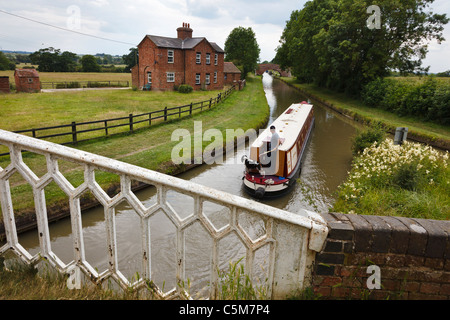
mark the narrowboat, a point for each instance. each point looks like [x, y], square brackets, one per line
[272, 170]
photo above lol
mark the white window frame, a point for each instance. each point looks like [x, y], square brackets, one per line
[170, 76]
[216, 59]
[198, 58]
[198, 78]
[215, 77]
[149, 77]
[208, 58]
[170, 56]
[208, 79]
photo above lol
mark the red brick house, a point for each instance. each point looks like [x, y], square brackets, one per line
[27, 80]
[231, 73]
[168, 62]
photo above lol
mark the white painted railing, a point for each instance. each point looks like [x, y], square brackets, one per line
[290, 240]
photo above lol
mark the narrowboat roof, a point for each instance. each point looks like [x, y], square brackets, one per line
[287, 125]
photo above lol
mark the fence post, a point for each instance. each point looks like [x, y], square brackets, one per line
[190, 109]
[131, 121]
[210, 102]
[34, 133]
[165, 114]
[106, 127]
[74, 132]
[150, 119]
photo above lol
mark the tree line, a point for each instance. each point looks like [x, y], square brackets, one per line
[53, 60]
[345, 44]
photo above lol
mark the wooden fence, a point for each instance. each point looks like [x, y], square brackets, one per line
[76, 131]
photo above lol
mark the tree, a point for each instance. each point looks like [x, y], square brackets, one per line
[52, 60]
[89, 63]
[130, 59]
[5, 63]
[330, 43]
[242, 49]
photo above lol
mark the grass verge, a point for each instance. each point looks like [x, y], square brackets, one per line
[149, 148]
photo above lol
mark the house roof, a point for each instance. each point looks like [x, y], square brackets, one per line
[229, 67]
[176, 43]
[26, 73]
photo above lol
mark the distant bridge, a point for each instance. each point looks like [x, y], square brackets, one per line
[263, 67]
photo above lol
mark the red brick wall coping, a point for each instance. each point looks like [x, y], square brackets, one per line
[413, 257]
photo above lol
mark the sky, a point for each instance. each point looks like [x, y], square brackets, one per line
[128, 21]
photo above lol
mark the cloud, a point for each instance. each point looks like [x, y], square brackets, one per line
[130, 20]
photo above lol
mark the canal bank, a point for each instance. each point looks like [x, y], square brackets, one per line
[328, 158]
[149, 148]
[435, 140]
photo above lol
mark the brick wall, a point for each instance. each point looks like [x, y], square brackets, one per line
[413, 257]
[154, 59]
[4, 84]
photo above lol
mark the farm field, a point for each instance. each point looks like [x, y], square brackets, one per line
[74, 76]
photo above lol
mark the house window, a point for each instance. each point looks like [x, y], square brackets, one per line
[170, 56]
[215, 77]
[170, 76]
[208, 81]
[149, 77]
[30, 80]
[208, 58]
[198, 58]
[197, 78]
[216, 59]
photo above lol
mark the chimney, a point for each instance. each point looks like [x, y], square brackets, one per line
[185, 31]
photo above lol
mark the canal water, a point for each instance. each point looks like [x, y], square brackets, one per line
[327, 161]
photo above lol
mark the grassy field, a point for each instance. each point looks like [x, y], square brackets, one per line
[20, 111]
[25, 111]
[419, 79]
[355, 108]
[74, 76]
[149, 148]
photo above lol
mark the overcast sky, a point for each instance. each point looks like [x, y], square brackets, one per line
[130, 20]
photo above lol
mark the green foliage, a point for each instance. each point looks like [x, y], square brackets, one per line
[185, 88]
[400, 180]
[52, 60]
[130, 59]
[5, 63]
[70, 85]
[234, 284]
[328, 42]
[242, 49]
[89, 64]
[427, 99]
[366, 138]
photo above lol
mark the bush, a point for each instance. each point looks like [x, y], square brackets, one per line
[69, 85]
[373, 93]
[404, 180]
[185, 88]
[427, 100]
[440, 108]
[365, 139]
[419, 99]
